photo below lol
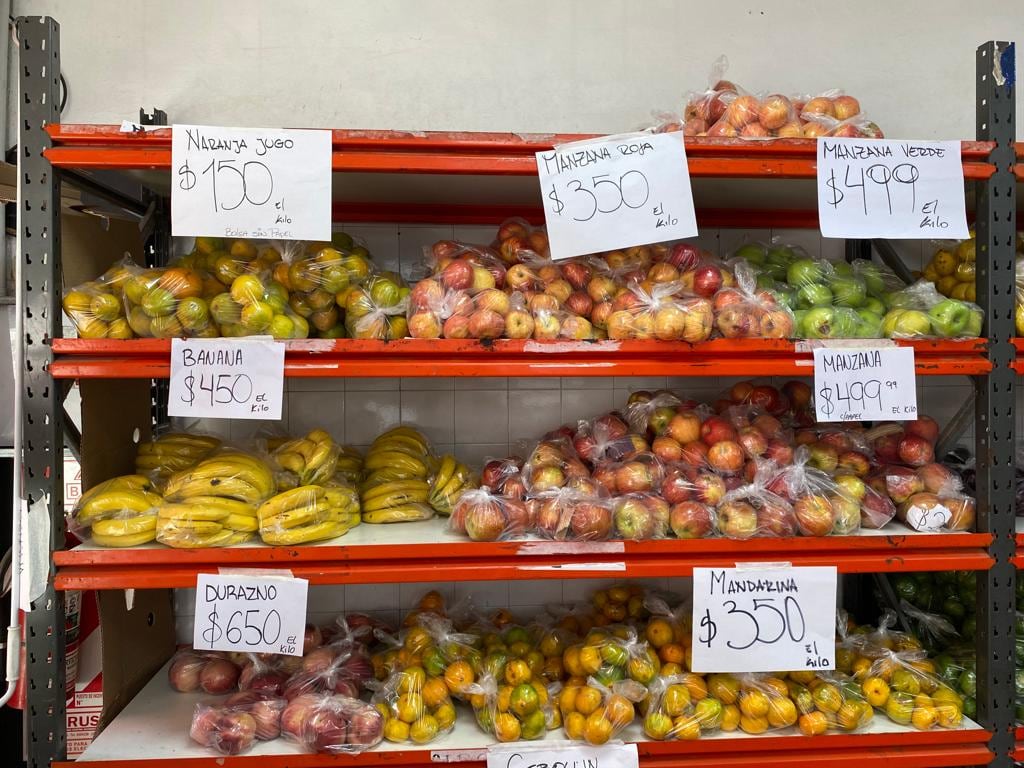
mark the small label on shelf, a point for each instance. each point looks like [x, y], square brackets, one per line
[565, 754]
[226, 378]
[742, 616]
[616, 192]
[868, 384]
[251, 182]
[887, 188]
[254, 614]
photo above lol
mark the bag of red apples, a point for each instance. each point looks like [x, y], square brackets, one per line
[231, 726]
[726, 110]
[332, 724]
[658, 311]
[486, 515]
[821, 505]
[744, 311]
[752, 510]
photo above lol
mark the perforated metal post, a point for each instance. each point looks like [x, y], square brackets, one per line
[996, 211]
[39, 198]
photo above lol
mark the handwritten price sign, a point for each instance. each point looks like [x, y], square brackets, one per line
[254, 614]
[616, 192]
[249, 182]
[564, 754]
[226, 378]
[867, 384]
[741, 616]
[882, 188]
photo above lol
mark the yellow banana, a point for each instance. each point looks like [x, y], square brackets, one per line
[257, 475]
[403, 514]
[125, 526]
[173, 526]
[291, 461]
[396, 459]
[395, 499]
[303, 496]
[241, 523]
[115, 501]
[406, 432]
[340, 496]
[232, 488]
[133, 540]
[303, 447]
[171, 449]
[296, 516]
[320, 436]
[121, 483]
[306, 533]
[445, 471]
[165, 464]
[399, 443]
[395, 485]
[199, 441]
[191, 540]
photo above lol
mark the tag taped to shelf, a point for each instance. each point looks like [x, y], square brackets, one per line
[615, 192]
[742, 616]
[251, 182]
[562, 754]
[226, 378]
[878, 384]
[254, 614]
[886, 188]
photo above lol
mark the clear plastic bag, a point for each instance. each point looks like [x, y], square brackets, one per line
[517, 240]
[207, 671]
[232, 728]
[119, 512]
[753, 510]
[332, 724]
[744, 311]
[172, 452]
[437, 312]
[341, 668]
[484, 515]
[828, 701]
[921, 311]
[640, 472]
[606, 438]
[97, 308]
[640, 516]
[486, 269]
[565, 513]
[513, 707]
[377, 309]
[902, 684]
[552, 464]
[678, 707]
[313, 459]
[597, 713]
[308, 513]
[262, 674]
[930, 512]
[651, 416]
[659, 312]
[416, 707]
[821, 506]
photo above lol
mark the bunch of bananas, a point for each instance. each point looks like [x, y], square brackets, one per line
[173, 452]
[205, 521]
[308, 513]
[396, 487]
[213, 504]
[312, 459]
[119, 512]
[350, 465]
[452, 478]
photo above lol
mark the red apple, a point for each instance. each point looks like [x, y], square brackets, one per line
[691, 520]
[737, 520]
[915, 451]
[845, 107]
[493, 299]
[684, 256]
[775, 111]
[546, 478]
[767, 425]
[634, 477]
[753, 441]
[695, 454]
[707, 280]
[218, 676]
[577, 273]
[183, 674]
[798, 392]
[815, 515]
[779, 452]
[716, 429]
[456, 327]
[458, 275]
[939, 479]
[726, 456]
[486, 324]
[633, 520]
[676, 487]
[887, 447]
[590, 521]
[709, 488]
[854, 462]
[684, 427]
[924, 427]
[775, 518]
[485, 521]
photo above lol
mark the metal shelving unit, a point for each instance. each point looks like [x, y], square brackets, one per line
[482, 178]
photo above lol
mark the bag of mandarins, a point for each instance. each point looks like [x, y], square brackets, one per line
[596, 713]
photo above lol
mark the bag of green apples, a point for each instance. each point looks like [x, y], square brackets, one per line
[919, 310]
[97, 308]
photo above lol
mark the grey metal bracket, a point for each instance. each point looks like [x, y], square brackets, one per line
[43, 459]
[994, 411]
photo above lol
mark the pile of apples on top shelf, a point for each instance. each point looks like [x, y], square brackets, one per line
[753, 463]
[671, 292]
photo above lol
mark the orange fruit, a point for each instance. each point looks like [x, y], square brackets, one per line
[924, 718]
[524, 700]
[672, 653]
[657, 725]
[776, 684]
[423, 730]
[516, 671]
[598, 729]
[695, 685]
[659, 633]
[676, 700]
[504, 698]
[587, 700]
[590, 659]
[781, 712]
[416, 639]
[619, 594]
[506, 727]
[567, 699]
[753, 725]
[411, 679]
[445, 716]
[409, 707]
[827, 698]
[614, 612]
[458, 675]
[671, 670]
[876, 691]
[574, 725]
[571, 661]
[813, 724]
[553, 669]
[754, 704]
[432, 601]
[848, 715]
[686, 728]
[435, 692]
[725, 688]
[396, 730]
[619, 710]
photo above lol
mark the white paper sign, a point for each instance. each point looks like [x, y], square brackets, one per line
[226, 378]
[251, 182]
[887, 188]
[745, 616]
[865, 384]
[615, 192]
[254, 614]
[562, 753]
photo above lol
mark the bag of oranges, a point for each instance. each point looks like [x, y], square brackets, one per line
[678, 707]
[596, 713]
[415, 707]
[827, 701]
[904, 686]
[510, 708]
[97, 308]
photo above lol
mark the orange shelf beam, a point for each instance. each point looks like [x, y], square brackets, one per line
[518, 560]
[150, 358]
[494, 154]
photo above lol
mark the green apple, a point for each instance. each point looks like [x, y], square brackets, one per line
[872, 277]
[869, 325]
[804, 272]
[765, 282]
[798, 320]
[871, 304]
[752, 252]
[845, 323]
[814, 295]
[849, 291]
[949, 317]
[780, 254]
[841, 269]
[974, 323]
[819, 323]
[776, 272]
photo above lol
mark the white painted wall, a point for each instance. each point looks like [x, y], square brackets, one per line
[531, 65]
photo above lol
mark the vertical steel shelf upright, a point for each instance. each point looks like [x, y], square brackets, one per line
[42, 397]
[994, 405]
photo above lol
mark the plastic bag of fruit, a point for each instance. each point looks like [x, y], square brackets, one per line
[311, 460]
[516, 241]
[705, 108]
[416, 707]
[308, 513]
[902, 684]
[649, 414]
[927, 511]
[821, 506]
[659, 312]
[752, 510]
[552, 464]
[827, 701]
[172, 451]
[667, 631]
[230, 727]
[754, 116]
[97, 307]
[920, 311]
[377, 309]
[119, 512]
[511, 708]
[504, 477]
[834, 113]
[341, 668]
[437, 312]
[640, 472]
[640, 516]
[678, 707]
[934, 630]
[332, 723]
[606, 438]
[484, 515]
[596, 713]
[744, 311]
[207, 671]
[266, 673]
[568, 514]
[464, 266]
